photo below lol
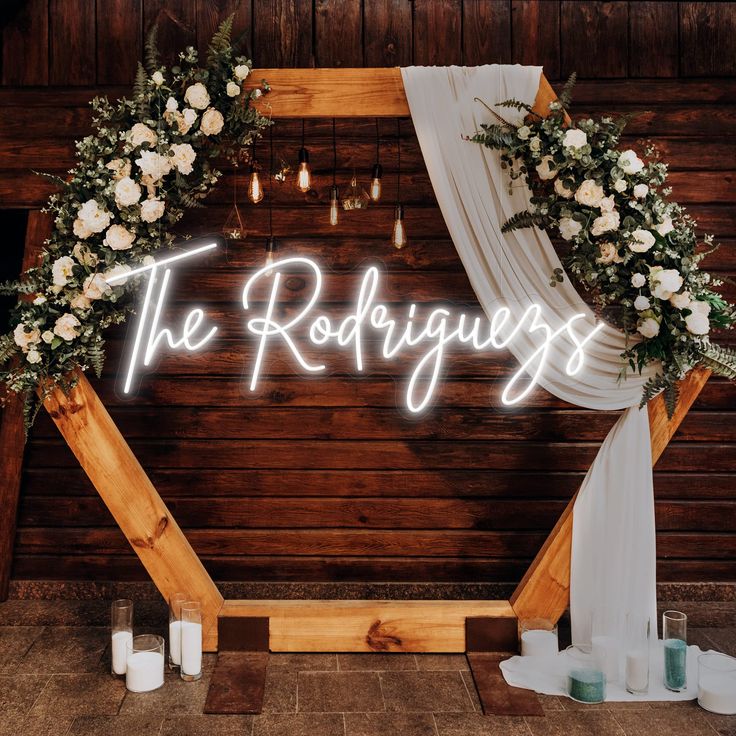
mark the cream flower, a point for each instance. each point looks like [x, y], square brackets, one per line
[620, 185]
[257, 93]
[569, 228]
[25, 338]
[607, 204]
[664, 282]
[151, 210]
[116, 271]
[545, 168]
[241, 71]
[605, 223]
[47, 336]
[140, 134]
[574, 138]
[84, 255]
[158, 78]
[638, 280]
[697, 321]
[641, 191]
[609, 254]
[172, 105]
[641, 303]
[182, 156]
[642, 241]
[33, 356]
[232, 89]
[67, 326]
[80, 229]
[680, 301]
[120, 167]
[61, 271]
[119, 238]
[80, 302]
[153, 165]
[629, 162]
[212, 122]
[589, 193]
[94, 219]
[561, 190]
[95, 286]
[197, 96]
[523, 132]
[40, 299]
[127, 192]
[649, 327]
[535, 144]
[665, 226]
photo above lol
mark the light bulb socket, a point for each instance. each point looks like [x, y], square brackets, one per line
[377, 171]
[303, 155]
[334, 193]
[271, 245]
[253, 168]
[399, 212]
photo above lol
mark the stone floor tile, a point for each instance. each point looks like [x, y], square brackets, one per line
[281, 691]
[176, 697]
[18, 693]
[80, 695]
[208, 725]
[722, 725]
[722, 639]
[15, 641]
[469, 683]
[298, 662]
[665, 722]
[552, 702]
[339, 692]
[375, 662]
[396, 724]
[116, 726]
[299, 724]
[577, 723]
[474, 724]
[67, 650]
[442, 662]
[34, 726]
[412, 692]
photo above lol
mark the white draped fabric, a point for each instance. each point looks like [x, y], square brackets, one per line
[613, 555]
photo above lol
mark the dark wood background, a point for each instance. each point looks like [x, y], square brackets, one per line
[325, 480]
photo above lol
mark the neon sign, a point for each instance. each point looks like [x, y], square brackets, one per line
[369, 317]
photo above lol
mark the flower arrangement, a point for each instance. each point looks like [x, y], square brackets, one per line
[629, 246]
[145, 164]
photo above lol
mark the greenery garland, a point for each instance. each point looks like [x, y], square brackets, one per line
[144, 165]
[632, 248]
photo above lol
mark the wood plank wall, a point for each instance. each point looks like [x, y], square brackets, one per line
[324, 480]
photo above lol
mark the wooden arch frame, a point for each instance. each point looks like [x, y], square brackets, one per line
[332, 625]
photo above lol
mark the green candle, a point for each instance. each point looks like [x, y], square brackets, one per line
[675, 664]
[587, 685]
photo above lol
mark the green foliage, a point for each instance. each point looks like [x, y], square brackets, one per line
[565, 96]
[521, 220]
[220, 46]
[8, 348]
[151, 56]
[722, 361]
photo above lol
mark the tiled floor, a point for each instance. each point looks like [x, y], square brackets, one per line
[55, 680]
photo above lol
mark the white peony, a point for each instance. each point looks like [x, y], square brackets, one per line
[127, 192]
[80, 229]
[47, 336]
[172, 105]
[620, 185]
[151, 210]
[33, 356]
[197, 96]
[589, 193]
[182, 157]
[641, 303]
[664, 282]
[649, 327]
[523, 132]
[680, 301]
[545, 168]
[67, 326]
[629, 162]
[119, 238]
[642, 241]
[607, 204]
[609, 254]
[638, 280]
[153, 165]
[95, 286]
[574, 138]
[665, 226]
[141, 133]
[120, 167]
[25, 338]
[116, 271]
[562, 190]
[535, 144]
[605, 223]
[61, 271]
[241, 71]
[158, 78]
[81, 302]
[84, 255]
[569, 228]
[697, 322]
[212, 122]
[93, 218]
[232, 89]
[641, 191]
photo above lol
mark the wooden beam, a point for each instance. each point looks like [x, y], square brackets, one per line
[133, 501]
[12, 435]
[367, 626]
[544, 591]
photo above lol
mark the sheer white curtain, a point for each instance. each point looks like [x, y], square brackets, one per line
[613, 556]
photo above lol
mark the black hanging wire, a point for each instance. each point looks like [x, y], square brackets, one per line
[270, 242]
[378, 144]
[398, 171]
[334, 152]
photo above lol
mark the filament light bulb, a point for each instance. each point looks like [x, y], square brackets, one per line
[376, 182]
[304, 173]
[398, 236]
[334, 205]
[271, 248]
[255, 190]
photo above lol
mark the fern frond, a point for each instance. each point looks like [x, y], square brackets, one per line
[8, 348]
[220, 43]
[515, 104]
[654, 386]
[565, 97]
[140, 93]
[521, 220]
[96, 357]
[151, 56]
[722, 361]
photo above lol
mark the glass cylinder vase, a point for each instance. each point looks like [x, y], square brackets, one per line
[121, 624]
[717, 683]
[145, 663]
[175, 603]
[674, 635]
[637, 654]
[191, 641]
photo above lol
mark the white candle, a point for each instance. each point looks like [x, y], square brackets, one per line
[637, 670]
[539, 642]
[191, 648]
[717, 693]
[605, 654]
[175, 641]
[120, 642]
[145, 671]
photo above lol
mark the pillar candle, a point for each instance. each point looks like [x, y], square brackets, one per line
[637, 670]
[175, 641]
[538, 642]
[191, 648]
[145, 671]
[120, 642]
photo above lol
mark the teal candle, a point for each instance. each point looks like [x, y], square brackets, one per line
[587, 685]
[675, 664]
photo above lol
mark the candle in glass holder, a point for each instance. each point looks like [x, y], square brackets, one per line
[121, 619]
[145, 663]
[717, 683]
[538, 638]
[191, 641]
[175, 629]
[637, 653]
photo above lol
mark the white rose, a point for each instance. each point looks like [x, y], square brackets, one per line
[523, 132]
[569, 228]
[562, 190]
[212, 122]
[67, 326]
[116, 271]
[151, 210]
[84, 255]
[589, 193]
[641, 191]
[94, 219]
[119, 238]
[629, 162]
[172, 105]
[649, 327]
[197, 96]
[545, 168]
[33, 356]
[641, 303]
[47, 336]
[182, 157]
[241, 71]
[80, 229]
[574, 138]
[120, 167]
[141, 133]
[232, 89]
[609, 254]
[605, 223]
[620, 185]
[699, 307]
[535, 144]
[642, 241]
[664, 282]
[95, 286]
[127, 192]
[153, 165]
[665, 226]
[607, 204]
[257, 93]
[697, 324]
[24, 339]
[638, 280]
[158, 78]
[190, 116]
[61, 271]
[81, 302]
[680, 301]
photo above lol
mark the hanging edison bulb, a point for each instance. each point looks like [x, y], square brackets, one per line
[398, 236]
[271, 248]
[334, 204]
[255, 190]
[376, 182]
[303, 171]
[356, 197]
[234, 225]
